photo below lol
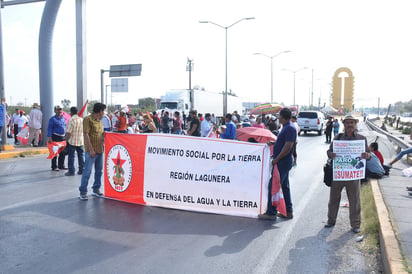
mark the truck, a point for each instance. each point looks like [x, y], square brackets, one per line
[203, 102]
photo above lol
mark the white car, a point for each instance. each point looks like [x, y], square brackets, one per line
[311, 121]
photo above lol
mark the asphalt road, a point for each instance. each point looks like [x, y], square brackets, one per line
[45, 228]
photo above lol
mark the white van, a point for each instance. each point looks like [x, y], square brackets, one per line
[311, 121]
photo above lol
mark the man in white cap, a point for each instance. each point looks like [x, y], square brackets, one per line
[35, 120]
[352, 186]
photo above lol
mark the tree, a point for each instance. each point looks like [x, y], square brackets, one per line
[146, 103]
[66, 103]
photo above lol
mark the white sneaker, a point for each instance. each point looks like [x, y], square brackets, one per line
[97, 193]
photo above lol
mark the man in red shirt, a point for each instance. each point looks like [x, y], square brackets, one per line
[122, 127]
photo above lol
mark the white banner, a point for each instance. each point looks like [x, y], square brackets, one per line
[226, 177]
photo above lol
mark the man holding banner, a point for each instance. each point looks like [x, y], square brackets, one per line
[283, 160]
[348, 151]
[56, 131]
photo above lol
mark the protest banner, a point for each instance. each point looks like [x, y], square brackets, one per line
[55, 148]
[348, 164]
[23, 135]
[189, 173]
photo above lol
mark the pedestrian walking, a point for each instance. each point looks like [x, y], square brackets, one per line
[282, 157]
[328, 130]
[75, 141]
[336, 127]
[93, 134]
[352, 186]
[35, 123]
[56, 131]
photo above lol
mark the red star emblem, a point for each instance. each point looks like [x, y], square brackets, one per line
[118, 161]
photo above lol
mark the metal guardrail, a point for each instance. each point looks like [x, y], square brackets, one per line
[399, 143]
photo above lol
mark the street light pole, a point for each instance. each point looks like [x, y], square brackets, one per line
[225, 28]
[106, 94]
[294, 81]
[271, 69]
[189, 68]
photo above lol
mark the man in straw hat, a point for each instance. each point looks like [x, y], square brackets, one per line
[35, 125]
[352, 186]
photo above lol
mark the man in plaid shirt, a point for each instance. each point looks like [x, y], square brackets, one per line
[75, 141]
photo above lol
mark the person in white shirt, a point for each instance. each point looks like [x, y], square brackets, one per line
[107, 124]
[206, 126]
[114, 120]
[21, 120]
[35, 121]
[213, 119]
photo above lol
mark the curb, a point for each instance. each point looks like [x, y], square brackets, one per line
[391, 253]
[7, 154]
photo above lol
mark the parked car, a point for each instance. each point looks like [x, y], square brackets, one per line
[311, 121]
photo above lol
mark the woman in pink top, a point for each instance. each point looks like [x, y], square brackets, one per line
[259, 123]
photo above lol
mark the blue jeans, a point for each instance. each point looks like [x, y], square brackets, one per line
[98, 170]
[284, 168]
[403, 152]
[79, 150]
[177, 131]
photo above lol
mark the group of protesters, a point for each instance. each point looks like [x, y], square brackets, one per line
[19, 120]
[88, 133]
[85, 136]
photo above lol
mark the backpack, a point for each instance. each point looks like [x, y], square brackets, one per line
[328, 173]
[328, 169]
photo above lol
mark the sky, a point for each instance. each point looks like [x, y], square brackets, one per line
[371, 38]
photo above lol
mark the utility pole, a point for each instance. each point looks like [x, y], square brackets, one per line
[379, 101]
[189, 68]
[3, 4]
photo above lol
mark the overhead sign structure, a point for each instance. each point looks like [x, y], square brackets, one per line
[125, 70]
[189, 173]
[120, 85]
